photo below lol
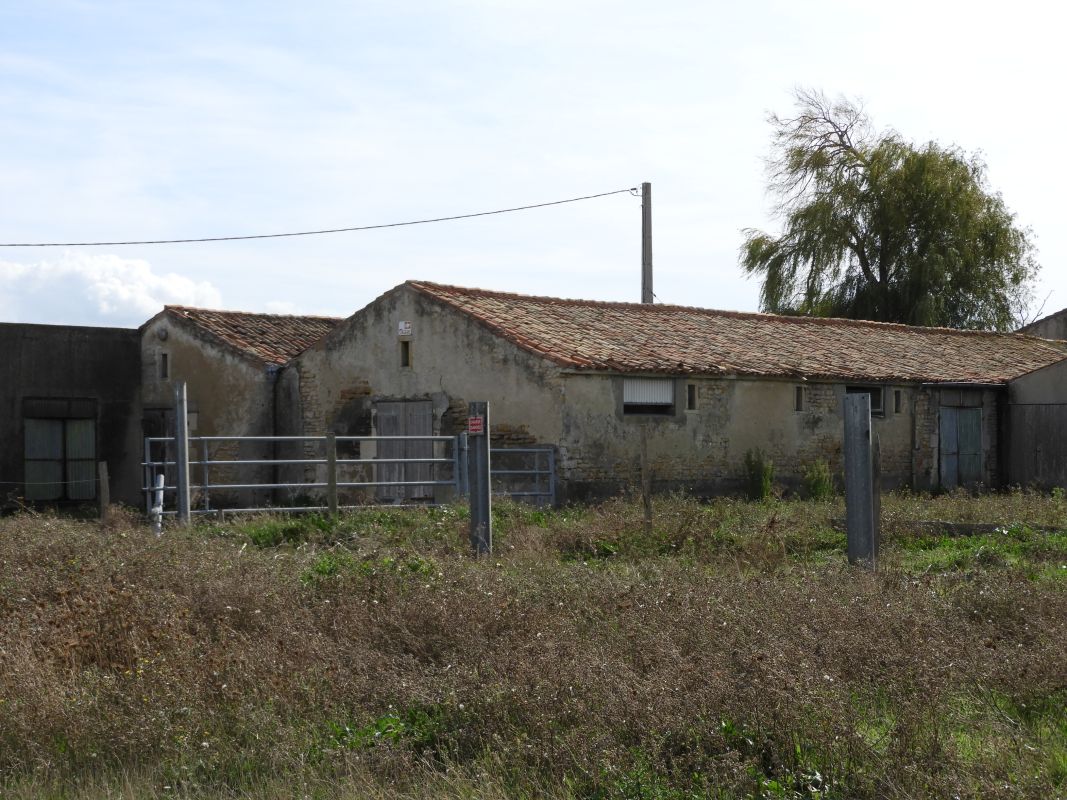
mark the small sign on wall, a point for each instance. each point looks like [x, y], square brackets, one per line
[476, 426]
[404, 328]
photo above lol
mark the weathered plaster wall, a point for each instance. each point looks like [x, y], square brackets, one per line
[1053, 326]
[334, 385]
[703, 450]
[61, 361]
[229, 394]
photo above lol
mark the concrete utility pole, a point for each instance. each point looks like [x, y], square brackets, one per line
[646, 243]
[181, 440]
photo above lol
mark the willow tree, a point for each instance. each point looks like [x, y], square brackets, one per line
[877, 228]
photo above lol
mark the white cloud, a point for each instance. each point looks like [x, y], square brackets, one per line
[80, 289]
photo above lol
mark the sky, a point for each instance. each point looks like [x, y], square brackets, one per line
[132, 120]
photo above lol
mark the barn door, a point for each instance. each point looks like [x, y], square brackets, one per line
[960, 446]
[404, 418]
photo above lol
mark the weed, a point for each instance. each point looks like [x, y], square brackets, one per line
[759, 475]
[818, 481]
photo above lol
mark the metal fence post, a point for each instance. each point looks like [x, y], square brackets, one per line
[204, 455]
[860, 507]
[552, 478]
[331, 473]
[465, 454]
[481, 528]
[147, 479]
[181, 440]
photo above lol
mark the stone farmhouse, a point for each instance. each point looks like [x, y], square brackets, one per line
[695, 389]
[699, 387]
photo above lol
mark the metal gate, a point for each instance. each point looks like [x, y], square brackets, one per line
[220, 483]
[245, 473]
[524, 473]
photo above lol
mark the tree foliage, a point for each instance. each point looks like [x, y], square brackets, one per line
[875, 227]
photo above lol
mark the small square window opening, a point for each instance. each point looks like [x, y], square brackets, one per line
[875, 392]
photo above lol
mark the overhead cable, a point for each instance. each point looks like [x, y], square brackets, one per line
[319, 232]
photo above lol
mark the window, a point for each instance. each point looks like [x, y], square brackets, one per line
[898, 401]
[648, 396]
[798, 398]
[60, 449]
[691, 397]
[405, 353]
[876, 396]
[164, 366]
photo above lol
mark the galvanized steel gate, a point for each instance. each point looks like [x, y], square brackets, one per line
[392, 470]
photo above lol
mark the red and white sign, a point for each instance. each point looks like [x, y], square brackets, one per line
[476, 426]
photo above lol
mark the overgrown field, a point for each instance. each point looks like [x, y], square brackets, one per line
[727, 652]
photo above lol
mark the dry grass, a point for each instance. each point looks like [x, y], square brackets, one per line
[727, 653]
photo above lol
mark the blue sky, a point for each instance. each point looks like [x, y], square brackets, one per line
[171, 120]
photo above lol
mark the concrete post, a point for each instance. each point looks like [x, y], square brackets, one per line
[181, 440]
[646, 243]
[481, 529]
[859, 481]
[331, 473]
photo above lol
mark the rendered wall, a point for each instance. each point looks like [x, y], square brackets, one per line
[703, 450]
[1053, 326]
[1037, 428]
[333, 386]
[229, 394]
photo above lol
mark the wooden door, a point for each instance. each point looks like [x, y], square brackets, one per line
[960, 442]
[404, 418]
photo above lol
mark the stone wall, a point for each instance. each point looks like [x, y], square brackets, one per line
[703, 449]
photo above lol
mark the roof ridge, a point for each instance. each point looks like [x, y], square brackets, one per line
[174, 307]
[756, 315]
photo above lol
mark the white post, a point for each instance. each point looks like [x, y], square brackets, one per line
[157, 506]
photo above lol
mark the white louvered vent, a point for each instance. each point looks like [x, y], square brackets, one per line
[648, 391]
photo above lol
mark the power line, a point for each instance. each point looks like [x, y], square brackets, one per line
[632, 190]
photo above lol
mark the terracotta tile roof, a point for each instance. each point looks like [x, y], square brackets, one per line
[272, 338]
[632, 337]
